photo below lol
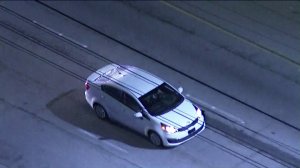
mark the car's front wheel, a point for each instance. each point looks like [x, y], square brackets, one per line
[155, 139]
[100, 112]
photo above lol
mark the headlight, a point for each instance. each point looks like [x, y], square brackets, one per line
[168, 129]
[198, 112]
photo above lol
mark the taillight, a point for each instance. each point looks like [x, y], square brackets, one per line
[87, 85]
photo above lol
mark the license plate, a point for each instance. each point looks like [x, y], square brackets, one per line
[191, 130]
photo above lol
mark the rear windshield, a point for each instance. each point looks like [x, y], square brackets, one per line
[161, 99]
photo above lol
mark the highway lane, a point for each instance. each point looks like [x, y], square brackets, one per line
[33, 125]
[64, 109]
[257, 32]
[267, 90]
[231, 74]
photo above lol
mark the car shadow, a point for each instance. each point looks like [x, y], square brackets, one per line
[72, 107]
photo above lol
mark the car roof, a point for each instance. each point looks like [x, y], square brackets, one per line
[133, 79]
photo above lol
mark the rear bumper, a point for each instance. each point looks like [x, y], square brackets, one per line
[88, 98]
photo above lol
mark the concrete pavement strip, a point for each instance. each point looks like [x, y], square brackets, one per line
[236, 129]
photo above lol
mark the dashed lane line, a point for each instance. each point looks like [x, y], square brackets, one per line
[104, 141]
[58, 33]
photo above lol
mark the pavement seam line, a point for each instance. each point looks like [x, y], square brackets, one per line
[236, 36]
[216, 109]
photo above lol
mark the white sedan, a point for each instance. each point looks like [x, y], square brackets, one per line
[144, 103]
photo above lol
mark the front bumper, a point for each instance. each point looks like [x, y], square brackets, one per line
[181, 137]
[192, 134]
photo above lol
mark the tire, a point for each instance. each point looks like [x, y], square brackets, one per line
[100, 112]
[155, 139]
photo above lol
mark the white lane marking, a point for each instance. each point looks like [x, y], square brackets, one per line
[89, 133]
[215, 109]
[115, 146]
[104, 141]
[60, 34]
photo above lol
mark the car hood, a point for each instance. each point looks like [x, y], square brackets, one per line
[181, 116]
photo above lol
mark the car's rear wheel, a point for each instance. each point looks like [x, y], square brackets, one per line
[100, 112]
[155, 139]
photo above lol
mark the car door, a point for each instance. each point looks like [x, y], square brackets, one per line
[129, 108]
[112, 101]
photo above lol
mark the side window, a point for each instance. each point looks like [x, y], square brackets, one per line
[130, 102]
[113, 92]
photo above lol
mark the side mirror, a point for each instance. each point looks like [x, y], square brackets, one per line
[180, 89]
[138, 115]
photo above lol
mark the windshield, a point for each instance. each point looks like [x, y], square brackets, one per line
[161, 99]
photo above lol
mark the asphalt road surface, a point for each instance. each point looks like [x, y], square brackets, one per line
[238, 60]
